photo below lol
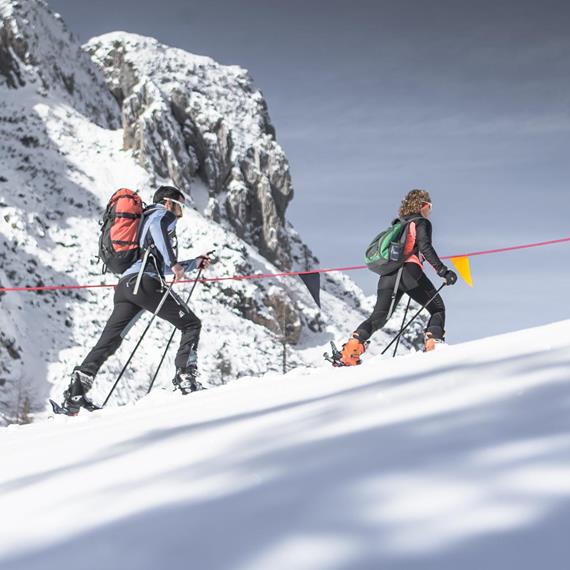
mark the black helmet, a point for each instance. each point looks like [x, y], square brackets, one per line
[167, 193]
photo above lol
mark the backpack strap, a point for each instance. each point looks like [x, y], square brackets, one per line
[405, 224]
[146, 251]
[142, 227]
[141, 271]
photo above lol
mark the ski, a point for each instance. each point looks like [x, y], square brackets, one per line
[59, 409]
[199, 387]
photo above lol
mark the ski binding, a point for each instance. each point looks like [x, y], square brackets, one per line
[335, 358]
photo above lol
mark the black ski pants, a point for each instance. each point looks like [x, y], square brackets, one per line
[416, 284]
[128, 307]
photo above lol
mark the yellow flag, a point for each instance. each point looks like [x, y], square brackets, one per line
[463, 268]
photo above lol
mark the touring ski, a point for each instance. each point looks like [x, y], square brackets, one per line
[63, 409]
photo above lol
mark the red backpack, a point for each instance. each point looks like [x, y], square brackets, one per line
[119, 240]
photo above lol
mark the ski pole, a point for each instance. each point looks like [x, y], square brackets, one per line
[172, 336]
[402, 325]
[413, 319]
[157, 310]
[174, 329]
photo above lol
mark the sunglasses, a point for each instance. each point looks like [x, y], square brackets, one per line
[181, 204]
[427, 204]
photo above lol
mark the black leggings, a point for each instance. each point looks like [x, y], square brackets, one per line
[128, 307]
[415, 283]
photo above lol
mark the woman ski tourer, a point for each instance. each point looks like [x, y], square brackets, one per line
[414, 211]
[141, 288]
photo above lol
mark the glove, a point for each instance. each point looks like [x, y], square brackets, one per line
[450, 277]
[203, 261]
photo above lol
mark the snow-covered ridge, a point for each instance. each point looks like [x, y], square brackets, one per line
[457, 459]
[36, 49]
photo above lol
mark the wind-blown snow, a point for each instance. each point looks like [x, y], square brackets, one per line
[458, 459]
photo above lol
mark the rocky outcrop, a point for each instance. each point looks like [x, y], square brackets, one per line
[187, 117]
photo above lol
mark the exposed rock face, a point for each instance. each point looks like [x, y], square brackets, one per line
[36, 48]
[186, 116]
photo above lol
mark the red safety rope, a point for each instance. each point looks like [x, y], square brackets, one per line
[273, 275]
[513, 248]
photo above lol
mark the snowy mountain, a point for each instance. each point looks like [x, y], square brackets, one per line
[456, 459]
[185, 116]
[76, 124]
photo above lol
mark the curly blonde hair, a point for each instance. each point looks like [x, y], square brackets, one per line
[413, 202]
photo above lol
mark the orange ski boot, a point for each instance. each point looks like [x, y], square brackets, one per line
[430, 342]
[351, 352]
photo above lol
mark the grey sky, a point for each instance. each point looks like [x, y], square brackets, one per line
[371, 98]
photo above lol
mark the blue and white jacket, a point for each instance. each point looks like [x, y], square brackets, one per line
[158, 236]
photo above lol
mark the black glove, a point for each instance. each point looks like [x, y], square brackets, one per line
[450, 277]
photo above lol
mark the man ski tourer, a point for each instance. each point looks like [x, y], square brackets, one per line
[141, 288]
[409, 278]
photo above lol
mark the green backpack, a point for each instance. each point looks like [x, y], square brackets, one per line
[385, 254]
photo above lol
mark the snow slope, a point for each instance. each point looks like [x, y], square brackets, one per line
[458, 459]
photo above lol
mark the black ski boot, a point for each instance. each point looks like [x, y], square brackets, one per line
[185, 380]
[74, 397]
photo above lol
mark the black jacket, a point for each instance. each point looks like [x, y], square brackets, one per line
[424, 246]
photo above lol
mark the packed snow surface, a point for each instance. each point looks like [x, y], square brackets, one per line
[457, 459]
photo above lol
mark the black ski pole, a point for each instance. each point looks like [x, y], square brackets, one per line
[172, 335]
[402, 326]
[139, 342]
[174, 329]
[413, 319]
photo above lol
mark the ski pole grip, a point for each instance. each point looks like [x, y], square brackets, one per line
[210, 253]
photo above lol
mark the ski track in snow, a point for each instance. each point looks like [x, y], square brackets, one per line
[458, 459]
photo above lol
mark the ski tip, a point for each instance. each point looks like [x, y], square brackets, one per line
[331, 360]
[57, 409]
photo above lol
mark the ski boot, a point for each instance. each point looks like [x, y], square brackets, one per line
[350, 353]
[74, 396]
[431, 342]
[185, 380]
